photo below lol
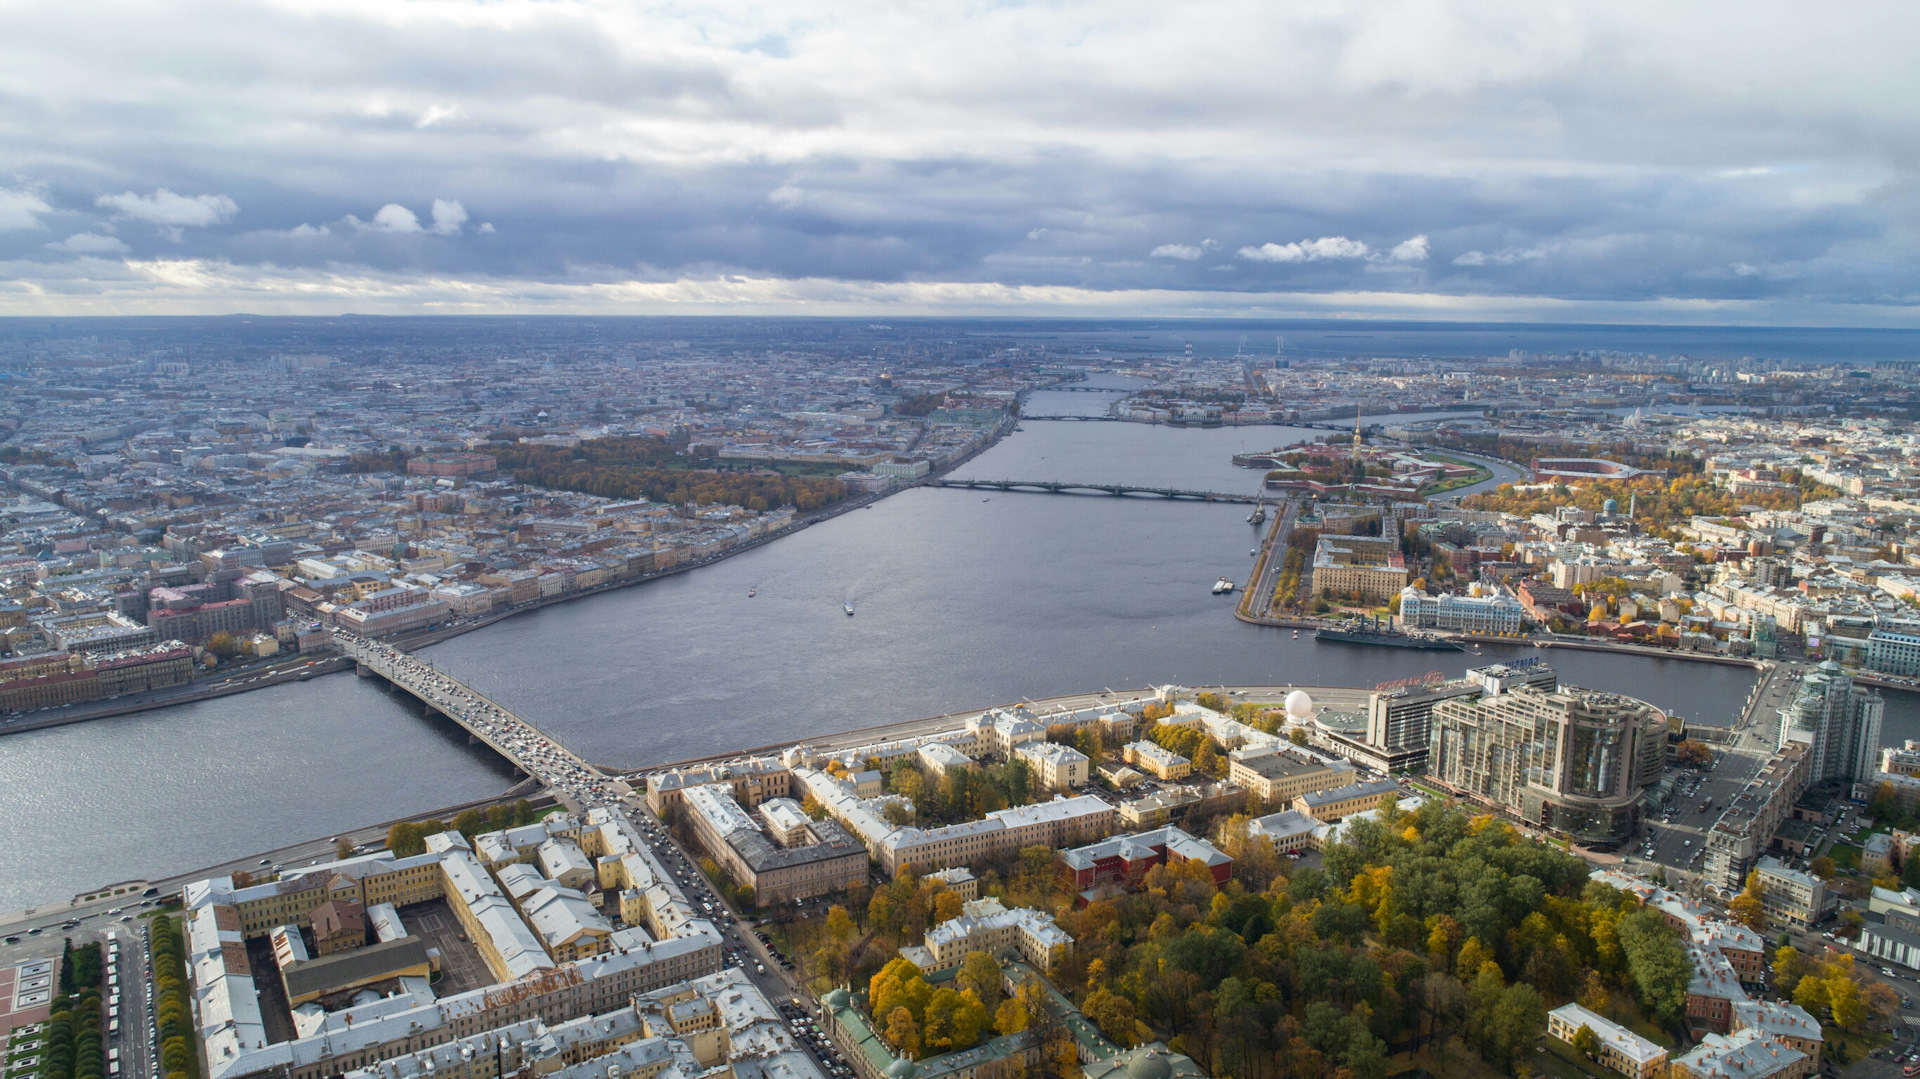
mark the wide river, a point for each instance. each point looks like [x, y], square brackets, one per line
[963, 599]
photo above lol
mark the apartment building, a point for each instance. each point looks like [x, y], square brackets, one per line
[987, 926]
[1055, 767]
[1791, 895]
[1369, 566]
[675, 945]
[822, 858]
[1279, 776]
[1161, 763]
[1120, 863]
[1747, 1054]
[1574, 760]
[1336, 803]
[1620, 1049]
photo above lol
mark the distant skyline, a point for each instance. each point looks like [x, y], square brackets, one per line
[1426, 159]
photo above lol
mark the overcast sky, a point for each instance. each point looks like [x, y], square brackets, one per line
[1736, 162]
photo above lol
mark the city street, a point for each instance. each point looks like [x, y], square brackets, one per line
[1680, 844]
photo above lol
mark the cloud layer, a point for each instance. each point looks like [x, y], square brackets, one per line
[1466, 157]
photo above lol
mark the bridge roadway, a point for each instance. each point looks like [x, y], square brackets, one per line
[1062, 488]
[571, 779]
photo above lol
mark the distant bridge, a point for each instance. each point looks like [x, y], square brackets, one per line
[1061, 487]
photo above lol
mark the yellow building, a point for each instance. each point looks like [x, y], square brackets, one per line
[1162, 763]
[1337, 803]
[1368, 565]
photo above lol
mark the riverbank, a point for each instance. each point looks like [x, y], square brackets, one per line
[203, 689]
[322, 847]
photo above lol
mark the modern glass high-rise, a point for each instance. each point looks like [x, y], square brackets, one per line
[1838, 721]
[1575, 760]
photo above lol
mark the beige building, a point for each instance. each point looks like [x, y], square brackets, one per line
[1055, 767]
[1162, 763]
[753, 780]
[986, 926]
[1371, 566]
[821, 859]
[1279, 777]
[1791, 895]
[1620, 1049]
[1336, 803]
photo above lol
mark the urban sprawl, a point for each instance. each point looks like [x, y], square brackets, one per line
[1297, 882]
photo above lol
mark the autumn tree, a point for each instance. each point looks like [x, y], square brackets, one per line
[1749, 907]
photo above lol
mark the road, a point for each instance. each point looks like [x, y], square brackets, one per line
[745, 951]
[1679, 843]
[138, 1054]
[257, 674]
[1274, 560]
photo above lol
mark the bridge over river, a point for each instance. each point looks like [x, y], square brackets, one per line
[524, 745]
[1060, 487]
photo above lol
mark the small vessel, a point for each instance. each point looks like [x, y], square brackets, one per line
[1253, 551]
[1222, 585]
[1259, 515]
[751, 591]
[849, 608]
[1296, 634]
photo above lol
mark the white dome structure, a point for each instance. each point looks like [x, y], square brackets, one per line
[1299, 706]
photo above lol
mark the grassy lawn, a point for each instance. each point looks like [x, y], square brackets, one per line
[1845, 855]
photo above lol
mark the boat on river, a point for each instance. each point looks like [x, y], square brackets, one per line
[1376, 632]
[1222, 586]
[849, 608]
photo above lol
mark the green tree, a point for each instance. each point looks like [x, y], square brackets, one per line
[979, 973]
[404, 839]
[1658, 964]
[1586, 1042]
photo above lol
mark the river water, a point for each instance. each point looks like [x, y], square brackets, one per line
[963, 599]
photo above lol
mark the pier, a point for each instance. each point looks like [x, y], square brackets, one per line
[524, 745]
[1059, 487]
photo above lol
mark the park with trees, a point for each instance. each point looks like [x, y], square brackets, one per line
[1435, 933]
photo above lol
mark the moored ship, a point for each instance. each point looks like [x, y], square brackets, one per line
[1376, 632]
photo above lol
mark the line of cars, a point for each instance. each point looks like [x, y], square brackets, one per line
[807, 1031]
[556, 768]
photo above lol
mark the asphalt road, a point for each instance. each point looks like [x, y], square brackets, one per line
[134, 1041]
[1680, 844]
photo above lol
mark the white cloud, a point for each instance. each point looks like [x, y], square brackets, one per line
[1505, 257]
[89, 243]
[448, 216]
[169, 211]
[1412, 250]
[435, 114]
[394, 217]
[309, 231]
[1183, 252]
[485, 227]
[21, 210]
[1326, 247]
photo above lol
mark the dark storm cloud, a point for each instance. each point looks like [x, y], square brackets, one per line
[1430, 155]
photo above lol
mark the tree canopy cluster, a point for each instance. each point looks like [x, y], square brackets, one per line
[408, 838]
[652, 468]
[74, 1049]
[1433, 932]
[1662, 503]
[964, 794]
[173, 1006]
